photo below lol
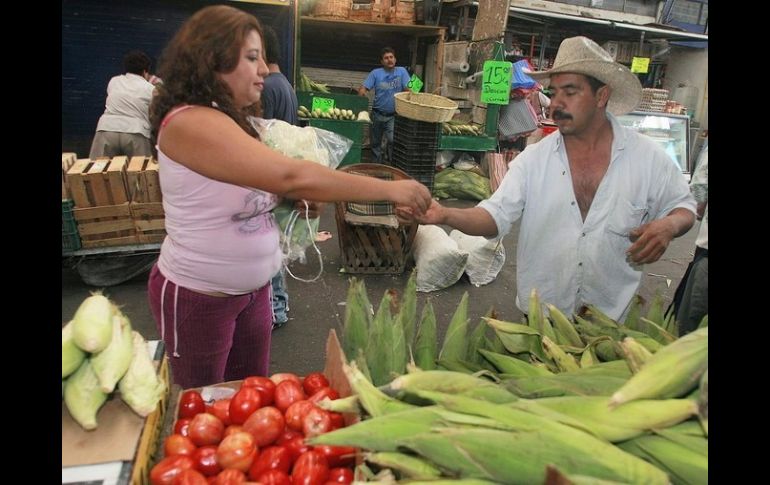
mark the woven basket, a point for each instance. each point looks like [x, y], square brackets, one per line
[338, 9]
[431, 108]
[374, 249]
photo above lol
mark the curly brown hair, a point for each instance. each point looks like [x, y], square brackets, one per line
[207, 44]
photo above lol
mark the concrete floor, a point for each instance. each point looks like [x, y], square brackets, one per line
[317, 307]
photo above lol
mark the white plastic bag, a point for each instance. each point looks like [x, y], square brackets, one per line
[485, 257]
[440, 263]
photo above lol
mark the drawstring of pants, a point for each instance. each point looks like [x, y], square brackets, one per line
[163, 315]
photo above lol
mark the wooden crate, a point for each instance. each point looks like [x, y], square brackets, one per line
[337, 9]
[401, 12]
[142, 180]
[98, 188]
[149, 221]
[67, 161]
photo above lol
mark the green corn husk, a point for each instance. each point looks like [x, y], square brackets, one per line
[407, 315]
[476, 342]
[112, 363]
[656, 332]
[92, 323]
[672, 372]
[563, 360]
[688, 428]
[71, 355]
[598, 317]
[655, 312]
[358, 319]
[140, 387]
[426, 346]
[513, 366]
[683, 465]
[634, 354]
[564, 329]
[399, 347]
[704, 322]
[83, 396]
[379, 356]
[348, 404]
[408, 466]
[374, 401]
[452, 382]
[703, 402]
[697, 443]
[588, 358]
[634, 312]
[623, 422]
[455, 346]
[566, 384]
[613, 368]
[518, 338]
[463, 366]
[362, 365]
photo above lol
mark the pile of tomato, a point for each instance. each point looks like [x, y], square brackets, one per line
[256, 435]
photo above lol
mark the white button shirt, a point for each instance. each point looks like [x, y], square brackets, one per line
[128, 105]
[569, 261]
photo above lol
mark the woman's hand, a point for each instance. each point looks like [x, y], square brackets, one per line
[312, 211]
[434, 214]
[411, 194]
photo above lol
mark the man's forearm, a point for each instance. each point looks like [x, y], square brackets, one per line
[473, 221]
[681, 220]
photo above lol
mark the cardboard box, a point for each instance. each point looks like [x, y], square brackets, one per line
[120, 448]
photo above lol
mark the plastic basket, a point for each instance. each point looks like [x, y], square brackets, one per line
[70, 238]
[425, 107]
[374, 249]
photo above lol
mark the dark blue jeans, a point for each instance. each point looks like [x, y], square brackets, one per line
[382, 125]
[280, 299]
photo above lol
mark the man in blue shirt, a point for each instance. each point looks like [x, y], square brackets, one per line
[386, 82]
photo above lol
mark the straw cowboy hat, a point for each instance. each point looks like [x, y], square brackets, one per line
[581, 55]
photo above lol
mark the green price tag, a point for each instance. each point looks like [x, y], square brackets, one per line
[640, 65]
[415, 84]
[324, 104]
[496, 82]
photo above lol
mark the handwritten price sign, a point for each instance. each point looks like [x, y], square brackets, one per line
[496, 82]
[640, 65]
[324, 104]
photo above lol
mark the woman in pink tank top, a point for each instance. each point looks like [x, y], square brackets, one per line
[209, 291]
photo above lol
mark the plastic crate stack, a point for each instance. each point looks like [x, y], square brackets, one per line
[415, 144]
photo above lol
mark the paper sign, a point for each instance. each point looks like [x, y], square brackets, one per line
[415, 84]
[324, 104]
[496, 82]
[640, 65]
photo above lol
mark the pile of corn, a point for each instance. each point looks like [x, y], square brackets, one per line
[332, 114]
[461, 184]
[594, 400]
[99, 352]
[307, 84]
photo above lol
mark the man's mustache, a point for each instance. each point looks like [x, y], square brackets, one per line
[561, 115]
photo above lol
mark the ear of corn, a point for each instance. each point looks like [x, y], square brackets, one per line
[655, 312]
[613, 368]
[623, 422]
[362, 365]
[140, 387]
[476, 343]
[703, 402]
[699, 444]
[588, 358]
[517, 338]
[634, 311]
[564, 361]
[600, 318]
[455, 344]
[92, 323]
[408, 466]
[513, 366]
[682, 464]
[379, 355]
[564, 328]
[83, 395]
[408, 312]
[566, 384]
[704, 322]
[452, 382]
[672, 372]
[374, 401]
[464, 366]
[426, 346]
[112, 363]
[399, 346]
[358, 318]
[655, 331]
[71, 355]
[634, 354]
[348, 404]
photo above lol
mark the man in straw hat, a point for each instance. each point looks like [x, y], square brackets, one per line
[596, 200]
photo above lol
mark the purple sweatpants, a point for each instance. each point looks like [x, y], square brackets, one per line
[211, 339]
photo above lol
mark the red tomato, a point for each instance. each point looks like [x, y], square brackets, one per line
[264, 385]
[340, 475]
[271, 458]
[221, 409]
[206, 429]
[190, 404]
[166, 470]
[296, 413]
[324, 392]
[190, 477]
[274, 477]
[212, 480]
[244, 402]
[286, 393]
[314, 382]
[316, 421]
[287, 434]
[205, 459]
[296, 447]
[338, 420]
[337, 456]
[231, 476]
[182, 426]
[233, 428]
[265, 424]
[283, 376]
[237, 451]
[310, 469]
[176, 444]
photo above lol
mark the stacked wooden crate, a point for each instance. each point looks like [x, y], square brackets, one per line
[401, 12]
[386, 11]
[67, 161]
[117, 201]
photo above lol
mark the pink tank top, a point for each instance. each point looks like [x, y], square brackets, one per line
[220, 237]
